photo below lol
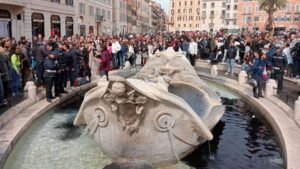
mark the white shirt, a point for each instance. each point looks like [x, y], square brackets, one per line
[116, 47]
[193, 48]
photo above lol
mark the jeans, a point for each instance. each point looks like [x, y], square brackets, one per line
[16, 78]
[1, 91]
[115, 60]
[122, 59]
[257, 91]
[230, 66]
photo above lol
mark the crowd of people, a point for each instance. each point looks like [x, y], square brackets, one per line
[55, 61]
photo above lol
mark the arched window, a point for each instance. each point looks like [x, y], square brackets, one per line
[37, 24]
[69, 26]
[55, 25]
[5, 23]
[91, 30]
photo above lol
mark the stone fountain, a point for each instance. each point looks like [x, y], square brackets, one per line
[160, 115]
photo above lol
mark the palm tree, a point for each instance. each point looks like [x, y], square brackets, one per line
[271, 6]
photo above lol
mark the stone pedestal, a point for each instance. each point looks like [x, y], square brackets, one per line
[297, 110]
[271, 88]
[242, 77]
[214, 70]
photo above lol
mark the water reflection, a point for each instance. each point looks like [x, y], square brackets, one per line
[242, 140]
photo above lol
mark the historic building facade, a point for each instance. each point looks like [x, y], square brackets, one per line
[30, 18]
[208, 15]
[94, 17]
[251, 18]
[157, 18]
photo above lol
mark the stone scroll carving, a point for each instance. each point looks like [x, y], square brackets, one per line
[128, 105]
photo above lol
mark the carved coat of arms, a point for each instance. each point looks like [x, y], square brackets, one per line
[128, 105]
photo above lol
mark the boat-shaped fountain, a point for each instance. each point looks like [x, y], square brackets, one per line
[160, 115]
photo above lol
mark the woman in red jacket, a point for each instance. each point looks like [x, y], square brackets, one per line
[105, 62]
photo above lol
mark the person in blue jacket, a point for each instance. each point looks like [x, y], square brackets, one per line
[51, 67]
[258, 68]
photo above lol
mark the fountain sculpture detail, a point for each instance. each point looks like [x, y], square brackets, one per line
[150, 116]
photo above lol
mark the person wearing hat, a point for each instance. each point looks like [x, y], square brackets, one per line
[279, 65]
[51, 66]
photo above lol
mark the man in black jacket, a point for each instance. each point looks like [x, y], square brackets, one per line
[51, 67]
[61, 78]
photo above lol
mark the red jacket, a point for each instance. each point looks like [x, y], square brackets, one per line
[105, 61]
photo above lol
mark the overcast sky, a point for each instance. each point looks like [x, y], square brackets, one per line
[164, 4]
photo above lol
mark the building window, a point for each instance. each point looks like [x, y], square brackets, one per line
[5, 23]
[69, 26]
[57, 1]
[212, 5]
[70, 2]
[179, 10]
[91, 30]
[297, 8]
[235, 7]
[91, 10]
[81, 8]
[204, 5]
[191, 2]
[82, 30]
[55, 25]
[37, 24]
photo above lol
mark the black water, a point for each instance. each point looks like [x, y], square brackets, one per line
[242, 140]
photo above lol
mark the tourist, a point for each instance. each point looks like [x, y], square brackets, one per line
[193, 51]
[289, 60]
[144, 52]
[123, 53]
[61, 77]
[231, 54]
[51, 67]
[116, 47]
[104, 61]
[246, 66]
[16, 71]
[259, 74]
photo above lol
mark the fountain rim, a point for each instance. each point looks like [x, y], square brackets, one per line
[288, 134]
[41, 107]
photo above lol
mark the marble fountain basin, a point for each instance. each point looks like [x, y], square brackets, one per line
[161, 115]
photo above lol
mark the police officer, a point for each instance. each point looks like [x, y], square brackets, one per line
[61, 77]
[279, 64]
[51, 66]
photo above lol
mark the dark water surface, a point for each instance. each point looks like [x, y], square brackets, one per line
[242, 140]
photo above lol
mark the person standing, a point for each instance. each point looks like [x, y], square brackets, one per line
[258, 70]
[116, 47]
[193, 51]
[231, 54]
[289, 59]
[76, 56]
[278, 63]
[51, 67]
[61, 76]
[16, 71]
[104, 62]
